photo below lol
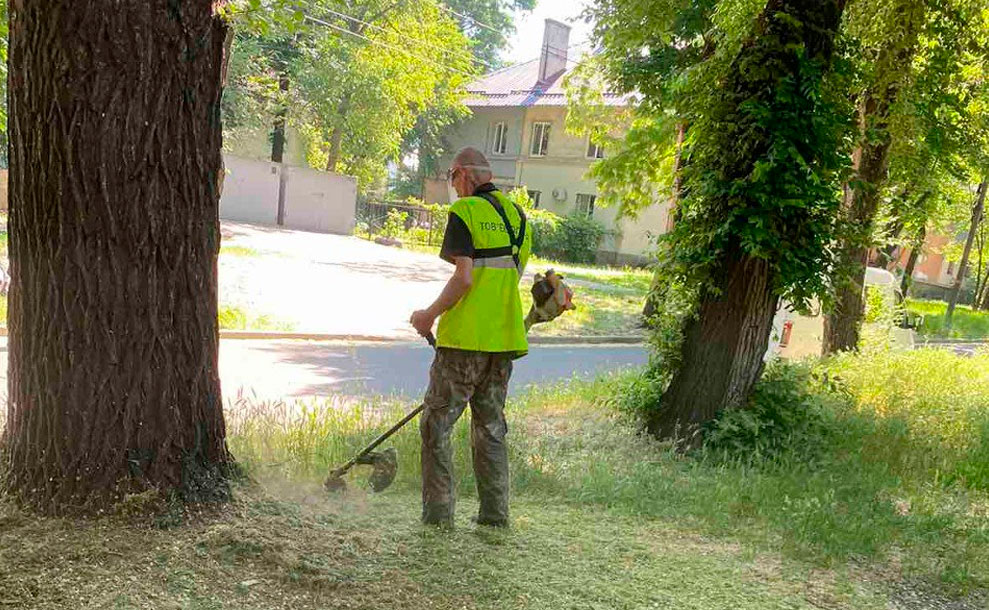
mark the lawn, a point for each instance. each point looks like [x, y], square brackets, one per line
[965, 324]
[883, 505]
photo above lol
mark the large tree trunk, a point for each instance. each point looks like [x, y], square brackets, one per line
[843, 325]
[115, 173]
[723, 351]
[724, 346]
[977, 212]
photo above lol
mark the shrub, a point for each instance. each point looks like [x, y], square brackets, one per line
[395, 224]
[568, 239]
[787, 415]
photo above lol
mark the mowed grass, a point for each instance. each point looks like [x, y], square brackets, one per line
[891, 511]
[966, 323]
[367, 552]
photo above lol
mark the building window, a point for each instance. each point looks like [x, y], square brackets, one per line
[499, 145]
[585, 204]
[594, 151]
[540, 139]
[534, 196]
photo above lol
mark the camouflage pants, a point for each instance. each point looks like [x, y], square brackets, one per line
[459, 378]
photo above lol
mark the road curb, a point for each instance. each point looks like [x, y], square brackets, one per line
[274, 335]
[265, 335]
[954, 342]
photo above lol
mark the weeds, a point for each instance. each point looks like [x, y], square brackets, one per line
[236, 318]
[239, 251]
[857, 482]
[859, 457]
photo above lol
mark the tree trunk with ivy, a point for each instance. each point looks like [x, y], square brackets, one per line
[115, 173]
[724, 345]
[843, 325]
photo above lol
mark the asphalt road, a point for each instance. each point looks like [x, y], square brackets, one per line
[298, 368]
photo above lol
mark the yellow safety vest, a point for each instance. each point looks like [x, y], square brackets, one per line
[489, 317]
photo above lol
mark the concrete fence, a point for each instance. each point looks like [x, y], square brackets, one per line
[321, 202]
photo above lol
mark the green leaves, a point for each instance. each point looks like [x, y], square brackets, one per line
[361, 76]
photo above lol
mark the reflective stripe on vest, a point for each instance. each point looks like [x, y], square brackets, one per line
[498, 262]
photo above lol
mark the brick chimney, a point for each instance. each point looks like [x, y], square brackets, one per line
[556, 41]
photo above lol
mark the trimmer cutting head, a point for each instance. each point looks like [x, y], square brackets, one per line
[384, 468]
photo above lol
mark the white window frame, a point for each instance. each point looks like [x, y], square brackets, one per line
[596, 149]
[501, 138]
[545, 129]
[588, 208]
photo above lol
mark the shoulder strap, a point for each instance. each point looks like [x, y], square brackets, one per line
[515, 241]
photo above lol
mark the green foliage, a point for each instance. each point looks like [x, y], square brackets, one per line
[357, 87]
[569, 239]
[940, 123]
[790, 415]
[395, 223]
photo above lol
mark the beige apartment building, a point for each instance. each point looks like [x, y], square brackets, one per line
[519, 120]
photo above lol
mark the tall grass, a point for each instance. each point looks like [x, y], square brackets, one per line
[899, 468]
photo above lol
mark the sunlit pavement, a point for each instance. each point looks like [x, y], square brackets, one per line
[287, 369]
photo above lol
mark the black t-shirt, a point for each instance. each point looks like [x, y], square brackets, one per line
[457, 241]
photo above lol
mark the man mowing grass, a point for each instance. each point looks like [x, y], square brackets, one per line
[481, 331]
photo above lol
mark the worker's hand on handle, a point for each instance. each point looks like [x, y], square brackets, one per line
[422, 321]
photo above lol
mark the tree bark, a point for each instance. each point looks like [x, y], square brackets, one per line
[724, 346]
[115, 174]
[336, 136]
[278, 130]
[983, 303]
[843, 325]
[977, 213]
[980, 277]
[723, 350]
[915, 252]
[334, 157]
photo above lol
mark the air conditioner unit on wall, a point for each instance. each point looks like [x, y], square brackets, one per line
[560, 194]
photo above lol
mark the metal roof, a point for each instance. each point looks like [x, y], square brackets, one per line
[519, 86]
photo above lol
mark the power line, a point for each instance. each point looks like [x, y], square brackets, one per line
[471, 19]
[400, 35]
[387, 46]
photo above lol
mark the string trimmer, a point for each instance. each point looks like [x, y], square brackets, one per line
[550, 298]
